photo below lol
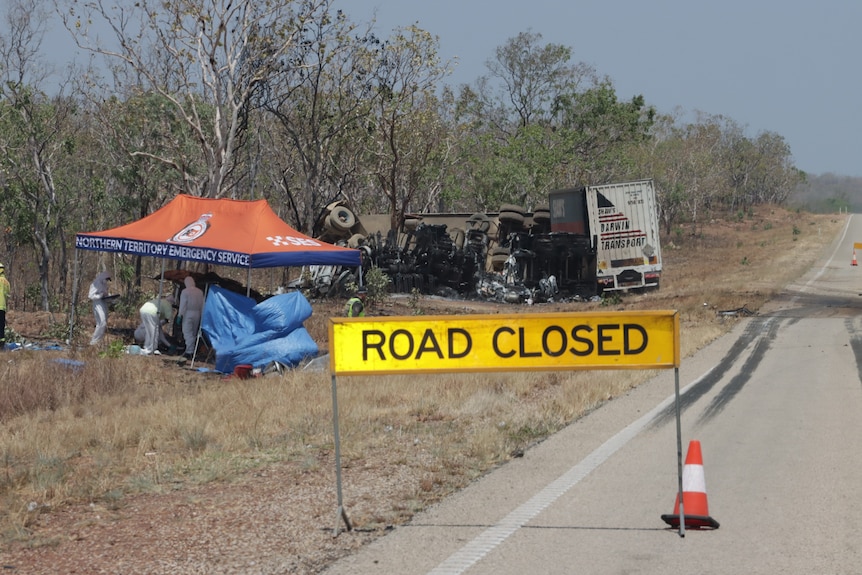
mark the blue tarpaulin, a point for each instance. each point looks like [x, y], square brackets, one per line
[243, 332]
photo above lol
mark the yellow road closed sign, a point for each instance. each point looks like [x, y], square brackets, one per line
[518, 342]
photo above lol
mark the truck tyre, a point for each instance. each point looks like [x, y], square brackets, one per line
[342, 219]
[458, 236]
[512, 208]
[355, 241]
[411, 224]
[541, 216]
[327, 223]
[514, 218]
[479, 222]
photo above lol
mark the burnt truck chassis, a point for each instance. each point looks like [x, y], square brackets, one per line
[510, 257]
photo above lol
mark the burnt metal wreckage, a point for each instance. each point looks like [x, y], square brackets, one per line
[585, 241]
[510, 256]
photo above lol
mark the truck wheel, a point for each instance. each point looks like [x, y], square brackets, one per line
[509, 217]
[479, 222]
[458, 236]
[327, 223]
[512, 208]
[355, 241]
[411, 224]
[342, 219]
[541, 216]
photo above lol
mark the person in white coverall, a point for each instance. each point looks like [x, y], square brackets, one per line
[191, 308]
[141, 336]
[152, 313]
[99, 291]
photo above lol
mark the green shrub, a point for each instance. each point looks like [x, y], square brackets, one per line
[114, 350]
[377, 283]
[611, 299]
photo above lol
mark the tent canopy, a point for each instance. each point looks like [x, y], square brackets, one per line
[236, 233]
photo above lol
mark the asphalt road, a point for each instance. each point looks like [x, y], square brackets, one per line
[777, 408]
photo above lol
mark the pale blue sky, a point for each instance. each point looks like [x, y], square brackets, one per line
[792, 68]
[787, 67]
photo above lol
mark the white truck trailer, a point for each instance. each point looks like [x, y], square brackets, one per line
[621, 222]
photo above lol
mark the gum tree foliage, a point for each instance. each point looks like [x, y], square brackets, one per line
[36, 145]
[759, 170]
[598, 132]
[711, 166]
[207, 58]
[661, 157]
[409, 139]
[538, 122]
[321, 97]
[135, 184]
[145, 121]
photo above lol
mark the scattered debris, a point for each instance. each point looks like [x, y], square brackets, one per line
[738, 311]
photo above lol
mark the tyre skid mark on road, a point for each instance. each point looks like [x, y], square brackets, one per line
[855, 344]
[693, 393]
[738, 381]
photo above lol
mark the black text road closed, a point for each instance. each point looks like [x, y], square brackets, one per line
[564, 341]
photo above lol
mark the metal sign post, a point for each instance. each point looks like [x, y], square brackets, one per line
[679, 451]
[341, 514]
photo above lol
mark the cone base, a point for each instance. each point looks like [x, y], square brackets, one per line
[691, 521]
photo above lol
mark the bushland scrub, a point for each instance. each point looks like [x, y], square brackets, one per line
[82, 426]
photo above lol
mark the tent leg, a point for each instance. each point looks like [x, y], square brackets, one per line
[162, 279]
[200, 326]
[75, 281]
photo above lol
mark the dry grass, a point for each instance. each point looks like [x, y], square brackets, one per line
[130, 424]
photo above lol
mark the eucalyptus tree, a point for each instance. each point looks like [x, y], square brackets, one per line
[510, 147]
[35, 141]
[321, 97]
[690, 169]
[130, 134]
[529, 78]
[538, 121]
[759, 170]
[661, 157]
[207, 58]
[145, 144]
[778, 176]
[409, 143]
[704, 174]
[599, 133]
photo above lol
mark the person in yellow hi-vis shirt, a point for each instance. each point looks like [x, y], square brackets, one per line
[355, 306]
[5, 288]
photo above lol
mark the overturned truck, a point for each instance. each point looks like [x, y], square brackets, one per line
[584, 241]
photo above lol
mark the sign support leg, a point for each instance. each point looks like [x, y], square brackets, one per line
[341, 514]
[679, 452]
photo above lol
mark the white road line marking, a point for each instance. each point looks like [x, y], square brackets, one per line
[485, 542]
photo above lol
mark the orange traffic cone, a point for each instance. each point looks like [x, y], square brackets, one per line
[694, 501]
[853, 263]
